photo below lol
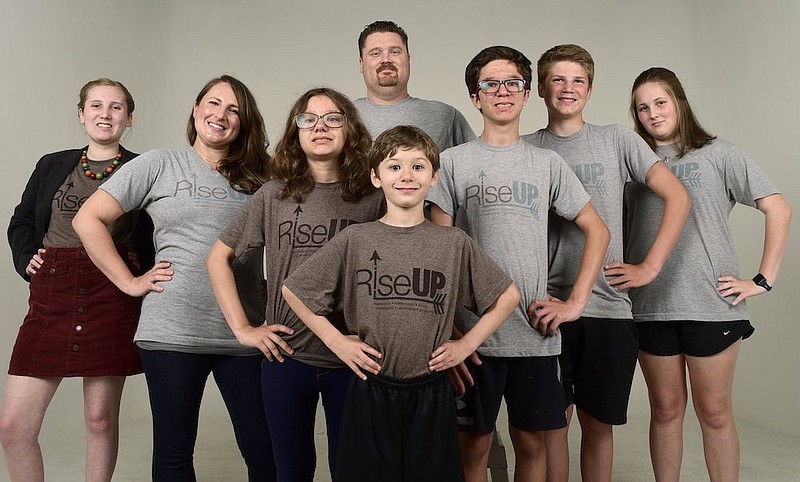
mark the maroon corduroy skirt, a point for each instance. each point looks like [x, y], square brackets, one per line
[78, 323]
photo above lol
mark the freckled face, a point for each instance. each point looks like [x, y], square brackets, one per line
[405, 178]
[502, 106]
[566, 89]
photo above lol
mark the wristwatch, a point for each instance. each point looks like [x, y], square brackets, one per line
[761, 281]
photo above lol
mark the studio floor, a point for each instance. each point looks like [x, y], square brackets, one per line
[767, 455]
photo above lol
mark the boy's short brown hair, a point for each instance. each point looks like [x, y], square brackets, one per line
[403, 137]
[566, 52]
[498, 52]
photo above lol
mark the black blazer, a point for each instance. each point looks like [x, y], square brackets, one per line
[31, 217]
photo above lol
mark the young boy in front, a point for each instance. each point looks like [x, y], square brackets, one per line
[599, 350]
[400, 281]
[504, 188]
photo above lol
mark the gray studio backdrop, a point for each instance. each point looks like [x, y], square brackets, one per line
[738, 60]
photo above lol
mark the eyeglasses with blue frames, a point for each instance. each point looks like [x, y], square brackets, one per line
[513, 86]
[308, 120]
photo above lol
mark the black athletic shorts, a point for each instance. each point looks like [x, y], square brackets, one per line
[399, 431]
[598, 360]
[532, 389]
[693, 338]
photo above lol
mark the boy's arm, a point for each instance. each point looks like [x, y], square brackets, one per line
[548, 314]
[438, 216]
[452, 352]
[677, 202]
[777, 214]
[266, 337]
[354, 352]
[460, 376]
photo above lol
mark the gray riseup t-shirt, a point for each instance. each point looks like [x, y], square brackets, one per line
[504, 195]
[604, 158]
[290, 232]
[717, 176]
[444, 123]
[400, 287]
[190, 204]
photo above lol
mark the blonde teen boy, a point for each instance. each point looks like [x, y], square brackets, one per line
[400, 281]
[504, 188]
[599, 349]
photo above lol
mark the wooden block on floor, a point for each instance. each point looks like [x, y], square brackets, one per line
[498, 466]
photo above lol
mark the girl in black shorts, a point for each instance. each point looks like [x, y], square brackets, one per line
[693, 316]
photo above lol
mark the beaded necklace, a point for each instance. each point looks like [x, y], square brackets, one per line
[99, 175]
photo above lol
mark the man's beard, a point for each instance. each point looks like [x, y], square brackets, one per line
[387, 80]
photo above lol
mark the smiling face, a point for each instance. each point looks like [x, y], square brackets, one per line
[385, 65]
[216, 118]
[501, 107]
[405, 177]
[322, 143]
[565, 90]
[105, 115]
[657, 112]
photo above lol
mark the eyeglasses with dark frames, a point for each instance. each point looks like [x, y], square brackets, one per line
[513, 86]
[308, 120]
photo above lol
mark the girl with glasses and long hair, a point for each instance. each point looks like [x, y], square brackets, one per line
[319, 185]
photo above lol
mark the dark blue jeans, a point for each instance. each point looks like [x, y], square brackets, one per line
[291, 393]
[176, 381]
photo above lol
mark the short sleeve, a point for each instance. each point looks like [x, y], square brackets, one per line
[443, 194]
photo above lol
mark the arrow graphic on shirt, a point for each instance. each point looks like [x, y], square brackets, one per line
[375, 258]
[296, 222]
[482, 177]
[70, 185]
[438, 303]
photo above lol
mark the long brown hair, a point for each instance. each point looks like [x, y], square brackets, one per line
[291, 166]
[245, 166]
[691, 134]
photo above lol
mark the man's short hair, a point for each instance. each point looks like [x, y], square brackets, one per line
[498, 52]
[566, 52]
[380, 26]
[403, 137]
